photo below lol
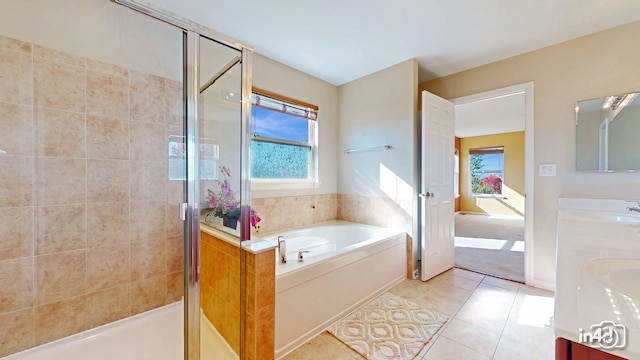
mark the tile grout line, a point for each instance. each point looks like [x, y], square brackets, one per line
[34, 205]
[454, 316]
[505, 324]
[86, 200]
[465, 302]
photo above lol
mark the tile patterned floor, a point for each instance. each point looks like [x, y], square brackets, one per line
[490, 318]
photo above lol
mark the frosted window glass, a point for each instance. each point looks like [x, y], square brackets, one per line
[279, 161]
[178, 157]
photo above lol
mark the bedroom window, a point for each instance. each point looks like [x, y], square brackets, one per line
[283, 139]
[486, 166]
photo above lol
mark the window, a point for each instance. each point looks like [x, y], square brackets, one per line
[486, 167]
[283, 143]
[178, 159]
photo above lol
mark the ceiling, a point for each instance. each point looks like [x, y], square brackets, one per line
[339, 41]
[497, 115]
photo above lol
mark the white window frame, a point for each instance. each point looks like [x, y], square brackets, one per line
[290, 184]
[485, 196]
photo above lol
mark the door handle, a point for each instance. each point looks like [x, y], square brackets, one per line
[426, 195]
[182, 211]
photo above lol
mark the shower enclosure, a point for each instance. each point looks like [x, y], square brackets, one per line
[115, 121]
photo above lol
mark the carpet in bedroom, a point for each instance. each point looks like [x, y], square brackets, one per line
[491, 245]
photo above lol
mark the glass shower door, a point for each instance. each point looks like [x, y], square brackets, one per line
[96, 157]
[219, 105]
[90, 94]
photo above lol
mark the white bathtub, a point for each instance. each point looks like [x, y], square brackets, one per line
[347, 265]
[153, 335]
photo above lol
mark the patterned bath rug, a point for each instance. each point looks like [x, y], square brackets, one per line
[388, 327]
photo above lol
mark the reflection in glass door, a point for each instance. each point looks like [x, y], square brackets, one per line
[89, 94]
[95, 155]
[219, 94]
[218, 191]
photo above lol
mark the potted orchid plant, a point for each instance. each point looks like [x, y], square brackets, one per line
[223, 203]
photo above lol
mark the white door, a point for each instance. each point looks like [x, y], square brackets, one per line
[436, 193]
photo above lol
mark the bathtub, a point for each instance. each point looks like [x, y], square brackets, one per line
[347, 265]
[154, 335]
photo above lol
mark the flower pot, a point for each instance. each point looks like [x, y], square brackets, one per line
[230, 222]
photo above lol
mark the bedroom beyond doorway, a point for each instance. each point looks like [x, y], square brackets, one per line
[490, 244]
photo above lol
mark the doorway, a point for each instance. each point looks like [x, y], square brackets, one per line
[494, 143]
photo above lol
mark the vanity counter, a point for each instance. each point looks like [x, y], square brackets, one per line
[597, 280]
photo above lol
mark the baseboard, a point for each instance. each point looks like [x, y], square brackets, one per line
[503, 216]
[545, 285]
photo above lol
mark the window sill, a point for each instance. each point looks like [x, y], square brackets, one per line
[481, 196]
[283, 184]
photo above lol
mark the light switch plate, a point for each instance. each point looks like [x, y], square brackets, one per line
[547, 170]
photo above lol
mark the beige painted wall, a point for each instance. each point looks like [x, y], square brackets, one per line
[379, 109]
[99, 30]
[274, 76]
[589, 67]
[513, 185]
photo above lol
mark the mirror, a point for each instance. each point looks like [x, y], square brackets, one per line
[608, 133]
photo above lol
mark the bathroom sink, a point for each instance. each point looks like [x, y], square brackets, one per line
[618, 274]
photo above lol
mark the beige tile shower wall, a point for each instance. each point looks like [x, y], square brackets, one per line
[87, 227]
[279, 213]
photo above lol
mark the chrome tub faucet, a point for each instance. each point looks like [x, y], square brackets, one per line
[282, 249]
[634, 208]
[301, 255]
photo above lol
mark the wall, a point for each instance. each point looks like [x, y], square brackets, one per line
[222, 267]
[87, 230]
[220, 120]
[281, 79]
[377, 187]
[287, 208]
[585, 68]
[286, 212]
[87, 235]
[97, 29]
[513, 185]
[220, 285]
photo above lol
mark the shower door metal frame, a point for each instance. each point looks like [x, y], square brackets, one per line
[192, 86]
[192, 228]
